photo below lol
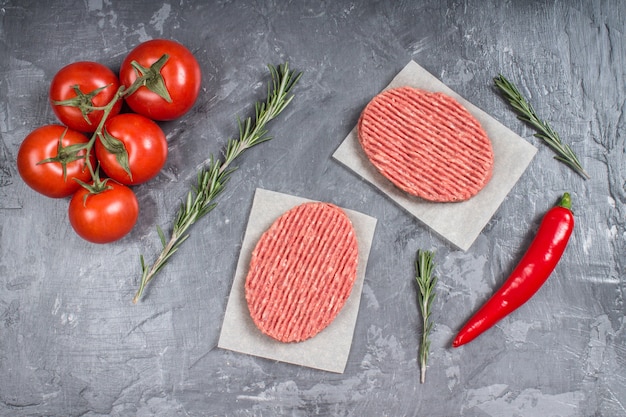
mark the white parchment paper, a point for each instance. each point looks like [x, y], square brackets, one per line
[459, 223]
[329, 349]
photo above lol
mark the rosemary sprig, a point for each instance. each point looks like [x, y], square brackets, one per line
[426, 283]
[212, 179]
[527, 113]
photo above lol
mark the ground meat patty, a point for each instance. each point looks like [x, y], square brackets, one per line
[302, 271]
[427, 144]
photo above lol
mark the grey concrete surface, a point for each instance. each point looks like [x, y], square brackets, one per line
[73, 344]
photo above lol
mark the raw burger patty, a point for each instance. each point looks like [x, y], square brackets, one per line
[302, 271]
[426, 144]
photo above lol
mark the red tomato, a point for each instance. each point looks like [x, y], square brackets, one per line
[181, 74]
[48, 178]
[145, 145]
[106, 216]
[89, 77]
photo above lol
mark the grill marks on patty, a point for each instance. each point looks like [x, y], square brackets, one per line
[427, 144]
[302, 271]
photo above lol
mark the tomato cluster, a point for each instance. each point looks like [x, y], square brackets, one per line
[99, 150]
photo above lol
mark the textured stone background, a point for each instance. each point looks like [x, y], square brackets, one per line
[72, 343]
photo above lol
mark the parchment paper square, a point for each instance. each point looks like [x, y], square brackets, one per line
[459, 223]
[329, 349]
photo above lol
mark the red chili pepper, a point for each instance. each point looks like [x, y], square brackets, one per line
[529, 275]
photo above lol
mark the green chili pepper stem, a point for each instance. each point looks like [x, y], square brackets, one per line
[566, 201]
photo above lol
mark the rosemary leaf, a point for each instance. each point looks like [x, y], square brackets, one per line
[161, 236]
[426, 283]
[527, 114]
[212, 179]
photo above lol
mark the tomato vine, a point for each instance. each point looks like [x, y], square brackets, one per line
[98, 150]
